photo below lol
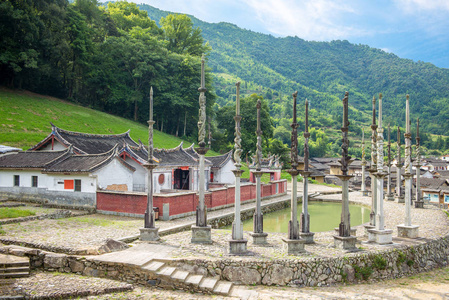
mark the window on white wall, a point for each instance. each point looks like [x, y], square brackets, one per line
[16, 180]
[77, 185]
[34, 181]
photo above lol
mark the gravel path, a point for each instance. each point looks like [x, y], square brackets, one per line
[430, 285]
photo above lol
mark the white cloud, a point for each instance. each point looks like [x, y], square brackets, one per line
[309, 19]
[413, 6]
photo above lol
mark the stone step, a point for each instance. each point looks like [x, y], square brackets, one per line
[194, 279]
[208, 284]
[15, 269]
[223, 288]
[13, 264]
[179, 275]
[153, 266]
[243, 293]
[14, 275]
[166, 271]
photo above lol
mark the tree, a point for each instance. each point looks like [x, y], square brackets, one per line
[127, 15]
[181, 36]
[248, 111]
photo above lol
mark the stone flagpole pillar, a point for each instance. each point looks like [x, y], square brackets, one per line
[150, 232]
[407, 229]
[295, 245]
[398, 197]
[372, 170]
[419, 203]
[389, 195]
[344, 239]
[363, 187]
[201, 232]
[238, 244]
[380, 235]
[305, 217]
[259, 237]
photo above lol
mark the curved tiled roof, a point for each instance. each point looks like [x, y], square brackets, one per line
[220, 160]
[86, 143]
[85, 162]
[32, 159]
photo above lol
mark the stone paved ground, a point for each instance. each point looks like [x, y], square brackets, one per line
[93, 230]
[431, 285]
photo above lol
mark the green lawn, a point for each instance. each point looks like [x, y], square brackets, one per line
[25, 120]
[9, 213]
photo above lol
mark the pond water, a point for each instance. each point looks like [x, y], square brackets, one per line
[324, 216]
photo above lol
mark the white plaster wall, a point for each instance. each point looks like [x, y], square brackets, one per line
[167, 184]
[224, 174]
[114, 173]
[140, 175]
[7, 178]
[88, 183]
[56, 147]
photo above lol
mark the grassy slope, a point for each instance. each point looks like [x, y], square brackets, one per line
[25, 120]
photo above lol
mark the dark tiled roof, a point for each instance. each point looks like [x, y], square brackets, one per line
[176, 157]
[191, 151]
[220, 160]
[325, 160]
[5, 149]
[443, 174]
[32, 159]
[86, 143]
[85, 162]
[432, 183]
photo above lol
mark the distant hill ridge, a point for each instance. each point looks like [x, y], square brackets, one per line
[322, 72]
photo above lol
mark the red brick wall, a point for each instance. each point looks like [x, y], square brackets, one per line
[121, 202]
[179, 203]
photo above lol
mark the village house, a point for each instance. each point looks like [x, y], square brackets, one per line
[61, 176]
[87, 163]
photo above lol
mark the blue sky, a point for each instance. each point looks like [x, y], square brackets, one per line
[414, 29]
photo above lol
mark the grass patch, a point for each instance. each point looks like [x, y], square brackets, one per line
[25, 121]
[10, 213]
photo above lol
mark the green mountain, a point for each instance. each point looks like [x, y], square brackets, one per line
[322, 72]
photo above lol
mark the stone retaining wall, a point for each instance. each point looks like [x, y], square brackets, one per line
[388, 264]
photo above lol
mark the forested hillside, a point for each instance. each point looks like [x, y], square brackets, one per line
[107, 56]
[322, 72]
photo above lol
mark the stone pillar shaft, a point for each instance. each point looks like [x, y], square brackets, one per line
[201, 190]
[293, 225]
[305, 226]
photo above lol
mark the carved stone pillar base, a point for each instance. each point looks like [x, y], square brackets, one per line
[410, 232]
[389, 197]
[381, 237]
[238, 247]
[345, 242]
[149, 234]
[294, 247]
[201, 235]
[400, 199]
[259, 238]
[307, 237]
[352, 230]
[419, 204]
[367, 227]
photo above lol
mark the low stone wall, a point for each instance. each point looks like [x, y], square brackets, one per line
[388, 264]
[44, 196]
